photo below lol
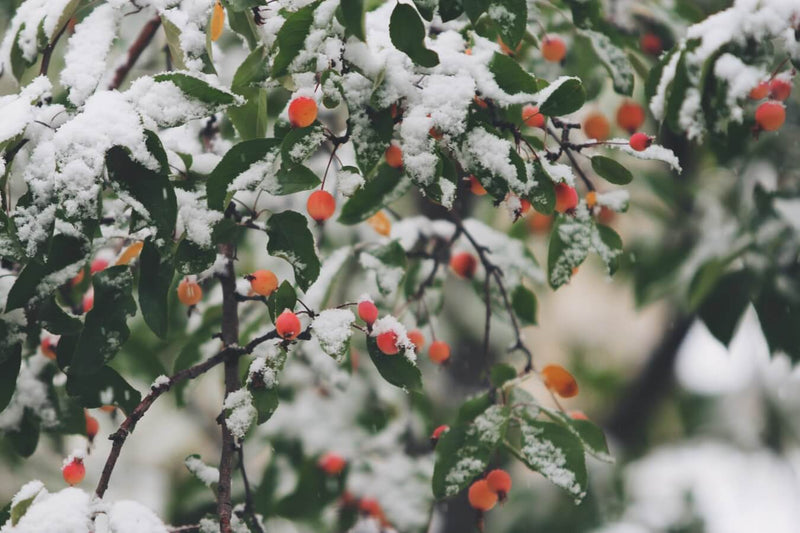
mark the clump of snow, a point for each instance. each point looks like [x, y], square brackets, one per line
[617, 200]
[386, 276]
[195, 218]
[30, 393]
[163, 104]
[332, 327]
[160, 381]
[652, 152]
[240, 412]
[207, 474]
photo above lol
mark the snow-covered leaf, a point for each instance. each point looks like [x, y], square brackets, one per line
[397, 369]
[407, 32]
[156, 272]
[383, 188]
[562, 97]
[613, 59]
[291, 37]
[511, 77]
[236, 161]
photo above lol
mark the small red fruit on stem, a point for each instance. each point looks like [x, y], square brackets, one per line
[779, 89]
[640, 141]
[532, 117]
[288, 325]
[651, 44]
[48, 348]
[367, 311]
[438, 432]
[439, 352]
[475, 186]
[499, 481]
[559, 380]
[394, 156]
[387, 342]
[630, 116]
[566, 198]
[332, 464]
[302, 112]
[596, 126]
[464, 264]
[553, 49]
[263, 282]
[189, 292]
[92, 425]
[74, 471]
[759, 91]
[417, 339]
[321, 205]
[481, 497]
[770, 115]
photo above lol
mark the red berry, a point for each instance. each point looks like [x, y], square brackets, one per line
[417, 339]
[302, 112]
[481, 497]
[553, 49]
[500, 482]
[566, 198]
[437, 433]
[524, 205]
[439, 352]
[532, 117]
[770, 115]
[321, 205]
[464, 264]
[475, 186]
[367, 311]
[779, 89]
[288, 325]
[651, 44]
[759, 91]
[559, 380]
[640, 141]
[263, 282]
[189, 292]
[394, 156]
[74, 471]
[387, 342]
[92, 425]
[88, 301]
[48, 347]
[98, 265]
[630, 116]
[332, 464]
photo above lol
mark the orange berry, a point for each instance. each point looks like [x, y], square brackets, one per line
[332, 464]
[189, 292]
[770, 115]
[464, 264]
[481, 497]
[387, 342]
[468, 51]
[630, 116]
[437, 433]
[500, 482]
[578, 415]
[553, 49]
[475, 186]
[394, 156]
[263, 282]
[532, 117]
[302, 112]
[539, 223]
[417, 339]
[288, 325]
[640, 141]
[779, 89]
[217, 21]
[130, 253]
[566, 197]
[321, 205]
[596, 126]
[48, 348]
[78, 278]
[439, 352]
[367, 311]
[759, 91]
[524, 205]
[380, 223]
[92, 425]
[591, 199]
[74, 471]
[559, 380]
[651, 44]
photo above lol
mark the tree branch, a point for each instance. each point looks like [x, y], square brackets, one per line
[136, 49]
[248, 493]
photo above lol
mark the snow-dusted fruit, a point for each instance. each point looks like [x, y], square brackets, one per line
[417, 339]
[288, 325]
[332, 464]
[367, 311]
[394, 156]
[48, 347]
[559, 380]
[553, 49]
[189, 292]
[263, 282]
[439, 352]
[499, 482]
[630, 116]
[475, 186]
[464, 264]
[640, 141]
[321, 205]
[302, 112]
[74, 471]
[651, 44]
[779, 89]
[759, 91]
[770, 116]
[566, 198]
[596, 126]
[217, 20]
[438, 432]
[532, 117]
[481, 497]
[387, 342]
[92, 425]
[380, 223]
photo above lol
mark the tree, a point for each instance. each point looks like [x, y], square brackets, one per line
[138, 192]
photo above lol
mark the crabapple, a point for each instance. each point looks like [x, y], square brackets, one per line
[287, 325]
[394, 156]
[417, 339]
[263, 282]
[630, 116]
[553, 49]
[74, 471]
[48, 348]
[438, 432]
[302, 112]
[88, 301]
[779, 89]
[578, 415]
[367, 311]
[566, 197]
[539, 223]
[387, 342]
[332, 464]
[640, 141]
[651, 44]
[499, 482]
[481, 497]
[92, 425]
[380, 223]
[439, 352]
[759, 91]
[321, 205]
[189, 292]
[532, 117]
[559, 380]
[464, 264]
[770, 115]
[596, 126]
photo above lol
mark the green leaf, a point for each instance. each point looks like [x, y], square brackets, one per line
[292, 179]
[197, 88]
[524, 303]
[253, 70]
[396, 369]
[20, 507]
[556, 453]
[9, 370]
[283, 298]
[290, 239]
[105, 329]
[543, 195]
[265, 401]
[592, 437]
[611, 249]
[150, 189]
[500, 374]
[464, 451]
[474, 9]
[300, 143]
[779, 314]
[291, 37]
[191, 258]
[370, 143]
[613, 59]
[103, 387]
[510, 18]
[157, 271]
[235, 161]
[407, 32]
[353, 18]
[450, 9]
[511, 77]
[382, 189]
[585, 13]
[567, 98]
[56, 320]
[676, 94]
[611, 171]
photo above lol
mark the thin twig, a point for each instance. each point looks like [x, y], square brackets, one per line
[136, 49]
[248, 493]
